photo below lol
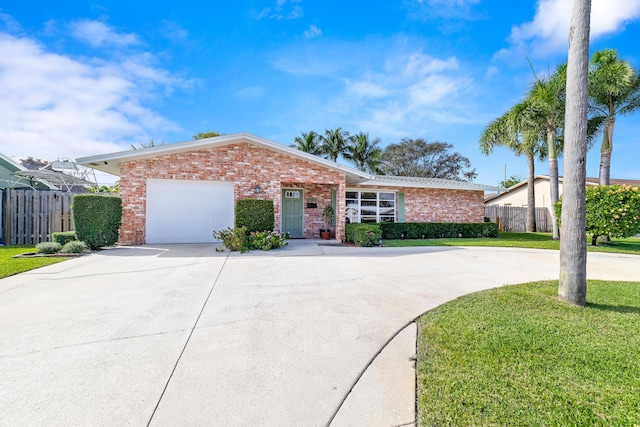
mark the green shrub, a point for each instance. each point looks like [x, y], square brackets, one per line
[97, 219]
[255, 215]
[234, 239]
[437, 230]
[267, 240]
[612, 210]
[64, 237]
[48, 247]
[73, 247]
[363, 234]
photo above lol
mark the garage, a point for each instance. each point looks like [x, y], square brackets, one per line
[187, 211]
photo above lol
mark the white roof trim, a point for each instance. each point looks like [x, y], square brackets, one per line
[111, 162]
[12, 162]
[419, 182]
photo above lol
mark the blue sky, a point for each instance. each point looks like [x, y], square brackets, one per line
[83, 78]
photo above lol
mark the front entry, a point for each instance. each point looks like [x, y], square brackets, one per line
[292, 212]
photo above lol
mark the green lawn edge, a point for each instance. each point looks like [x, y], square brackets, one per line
[518, 356]
[630, 245]
[10, 266]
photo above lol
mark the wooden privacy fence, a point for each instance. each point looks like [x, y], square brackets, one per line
[30, 216]
[511, 218]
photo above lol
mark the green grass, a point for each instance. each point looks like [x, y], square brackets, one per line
[10, 266]
[518, 356]
[524, 240]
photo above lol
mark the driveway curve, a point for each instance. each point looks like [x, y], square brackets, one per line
[183, 335]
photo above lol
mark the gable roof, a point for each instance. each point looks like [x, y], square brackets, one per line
[111, 162]
[589, 182]
[10, 164]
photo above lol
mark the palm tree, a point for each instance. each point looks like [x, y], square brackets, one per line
[518, 130]
[548, 96]
[334, 143]
[364, 153]
[573, 245]
[308, 142]
[614, 88]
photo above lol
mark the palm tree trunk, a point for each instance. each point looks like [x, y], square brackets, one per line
[573, 245]
[604, 177]
[553, 181]
[531, 194]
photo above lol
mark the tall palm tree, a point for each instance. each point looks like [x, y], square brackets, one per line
[548, 96]
[573, 245]
[364, 153]
[308, 142]
[614, 88]
[334, 143]
[519, 131]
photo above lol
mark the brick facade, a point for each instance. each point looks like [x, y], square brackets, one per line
[247, 166]
[437, 205]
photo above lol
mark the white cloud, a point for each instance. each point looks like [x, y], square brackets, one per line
[549, 30]
[457, 9]
[53, 105]
[312, 32]
[283, 9]
[390, 89]
[98, 34]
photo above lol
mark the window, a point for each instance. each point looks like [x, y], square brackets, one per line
[370, 206]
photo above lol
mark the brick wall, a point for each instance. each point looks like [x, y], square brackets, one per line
[438, 205]
[244, 164]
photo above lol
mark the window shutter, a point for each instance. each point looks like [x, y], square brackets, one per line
[400, 207]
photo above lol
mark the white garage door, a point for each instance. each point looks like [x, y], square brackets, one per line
[182, 211]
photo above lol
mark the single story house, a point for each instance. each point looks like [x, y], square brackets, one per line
[182, 192]
[517, 194]
[9, 176]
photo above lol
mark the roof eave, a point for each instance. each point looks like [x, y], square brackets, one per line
[111, 162]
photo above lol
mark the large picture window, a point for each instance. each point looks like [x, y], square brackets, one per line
[371, 206]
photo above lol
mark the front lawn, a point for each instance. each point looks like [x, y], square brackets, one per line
[518, 356]
[523, 240]
[10, 266]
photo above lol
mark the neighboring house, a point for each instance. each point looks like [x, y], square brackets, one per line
[181, 193]
[8, 178]
[517, 194]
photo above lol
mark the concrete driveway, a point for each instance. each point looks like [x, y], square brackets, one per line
[182, 335]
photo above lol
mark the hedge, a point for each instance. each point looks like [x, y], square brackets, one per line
[255, 215]
[97, 219]
[366, 234]
[437, 230]
[64, 237]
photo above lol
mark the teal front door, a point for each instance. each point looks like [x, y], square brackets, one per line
[292, 212]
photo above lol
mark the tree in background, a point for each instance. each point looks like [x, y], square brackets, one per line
[573, 247]
[520, 131]
[614, 88]
[309, 142]
[511, 181]
[426, 159]
[364, 153]
[334, 143]
[33, 164]
[151, 143]
[204, 135]
[547, 96]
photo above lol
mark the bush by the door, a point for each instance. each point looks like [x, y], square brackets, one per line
[255, 215]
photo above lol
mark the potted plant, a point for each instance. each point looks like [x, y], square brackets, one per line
[328, 214]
